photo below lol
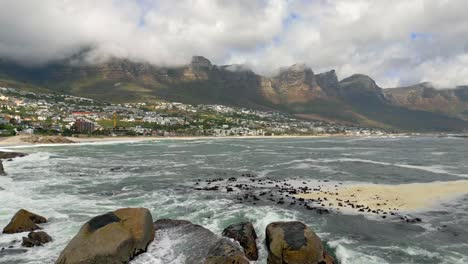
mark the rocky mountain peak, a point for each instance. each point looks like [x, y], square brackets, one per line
[297, 74]
[200, 62]
[361, 86]
[328, 81]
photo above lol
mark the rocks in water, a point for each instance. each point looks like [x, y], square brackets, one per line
[197, 244]
[47, 140]
[244, 233]
[11, 155]
[293, 243]
[2, 170]
[36, 239]
[327, 259]
[24, 221]
[225, 252]
[115, 237]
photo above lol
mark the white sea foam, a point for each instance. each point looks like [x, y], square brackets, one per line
[162, 252]
[346, 253]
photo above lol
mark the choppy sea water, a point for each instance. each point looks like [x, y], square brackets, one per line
[71, 183]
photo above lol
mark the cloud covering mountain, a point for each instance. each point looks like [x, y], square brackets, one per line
[396, 42]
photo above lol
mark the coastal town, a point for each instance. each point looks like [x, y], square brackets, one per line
[28, 113]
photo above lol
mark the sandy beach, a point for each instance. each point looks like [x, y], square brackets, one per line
[20, 140]
[388, 198]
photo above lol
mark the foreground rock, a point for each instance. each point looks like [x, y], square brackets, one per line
[11, 155]
[2, 170]
[24, 221]
[196, 244]
[36, 239]
[294, 243]
[115, 237]
[47, 140]
[244, 233]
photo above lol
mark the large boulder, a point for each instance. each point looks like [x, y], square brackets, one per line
[36, 239]
[112, 238]
[11, 155]
[24, 221]
[194, 244]
[244, 233]
[293, 243]
[225, 252]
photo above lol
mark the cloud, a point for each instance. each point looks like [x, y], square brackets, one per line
[396, 42]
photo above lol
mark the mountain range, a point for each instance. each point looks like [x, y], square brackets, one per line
[295, 89]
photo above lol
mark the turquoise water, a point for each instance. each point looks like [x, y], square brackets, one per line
[71, 183]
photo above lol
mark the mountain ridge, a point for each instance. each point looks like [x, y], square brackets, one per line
[296, 89]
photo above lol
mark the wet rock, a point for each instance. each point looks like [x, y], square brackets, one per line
[197, 244]
[225, 252]
[327, 259]
[244, 233]
[27, 242]
[34, 139]
[115, 237]
[2, 170]
[24, 221]
[11, 155]
[293, 243]
[36, 239]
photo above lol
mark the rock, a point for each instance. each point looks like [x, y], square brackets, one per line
[27, 242]
[327, 258]
[115, 237]
[47, 140]
[24, 221]
[36, 239]
[293, 243]
[244, 233]
[225, 252]
[197, 244]
[2, 170]
[11, 155]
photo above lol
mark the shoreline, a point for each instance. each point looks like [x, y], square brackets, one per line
[386, 198]
[17, 141]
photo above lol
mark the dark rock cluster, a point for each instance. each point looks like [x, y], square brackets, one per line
[248, 188]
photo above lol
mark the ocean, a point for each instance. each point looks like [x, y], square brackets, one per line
[69, 184]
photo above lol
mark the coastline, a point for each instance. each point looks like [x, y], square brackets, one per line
[410, 197]
[16, 141]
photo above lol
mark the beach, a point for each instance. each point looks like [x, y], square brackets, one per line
[21, 140]
[388, 198]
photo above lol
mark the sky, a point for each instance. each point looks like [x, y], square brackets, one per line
[398, 42]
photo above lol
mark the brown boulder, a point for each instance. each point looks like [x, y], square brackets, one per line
[112, 238]
[225, 252]
[11, 155]
[197, 244]
[244, 233]
[24, 221]
[293, 243]
[36, 239]
[27, 242]
[327, 259]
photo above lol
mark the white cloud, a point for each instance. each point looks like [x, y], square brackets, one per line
[395, 42]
